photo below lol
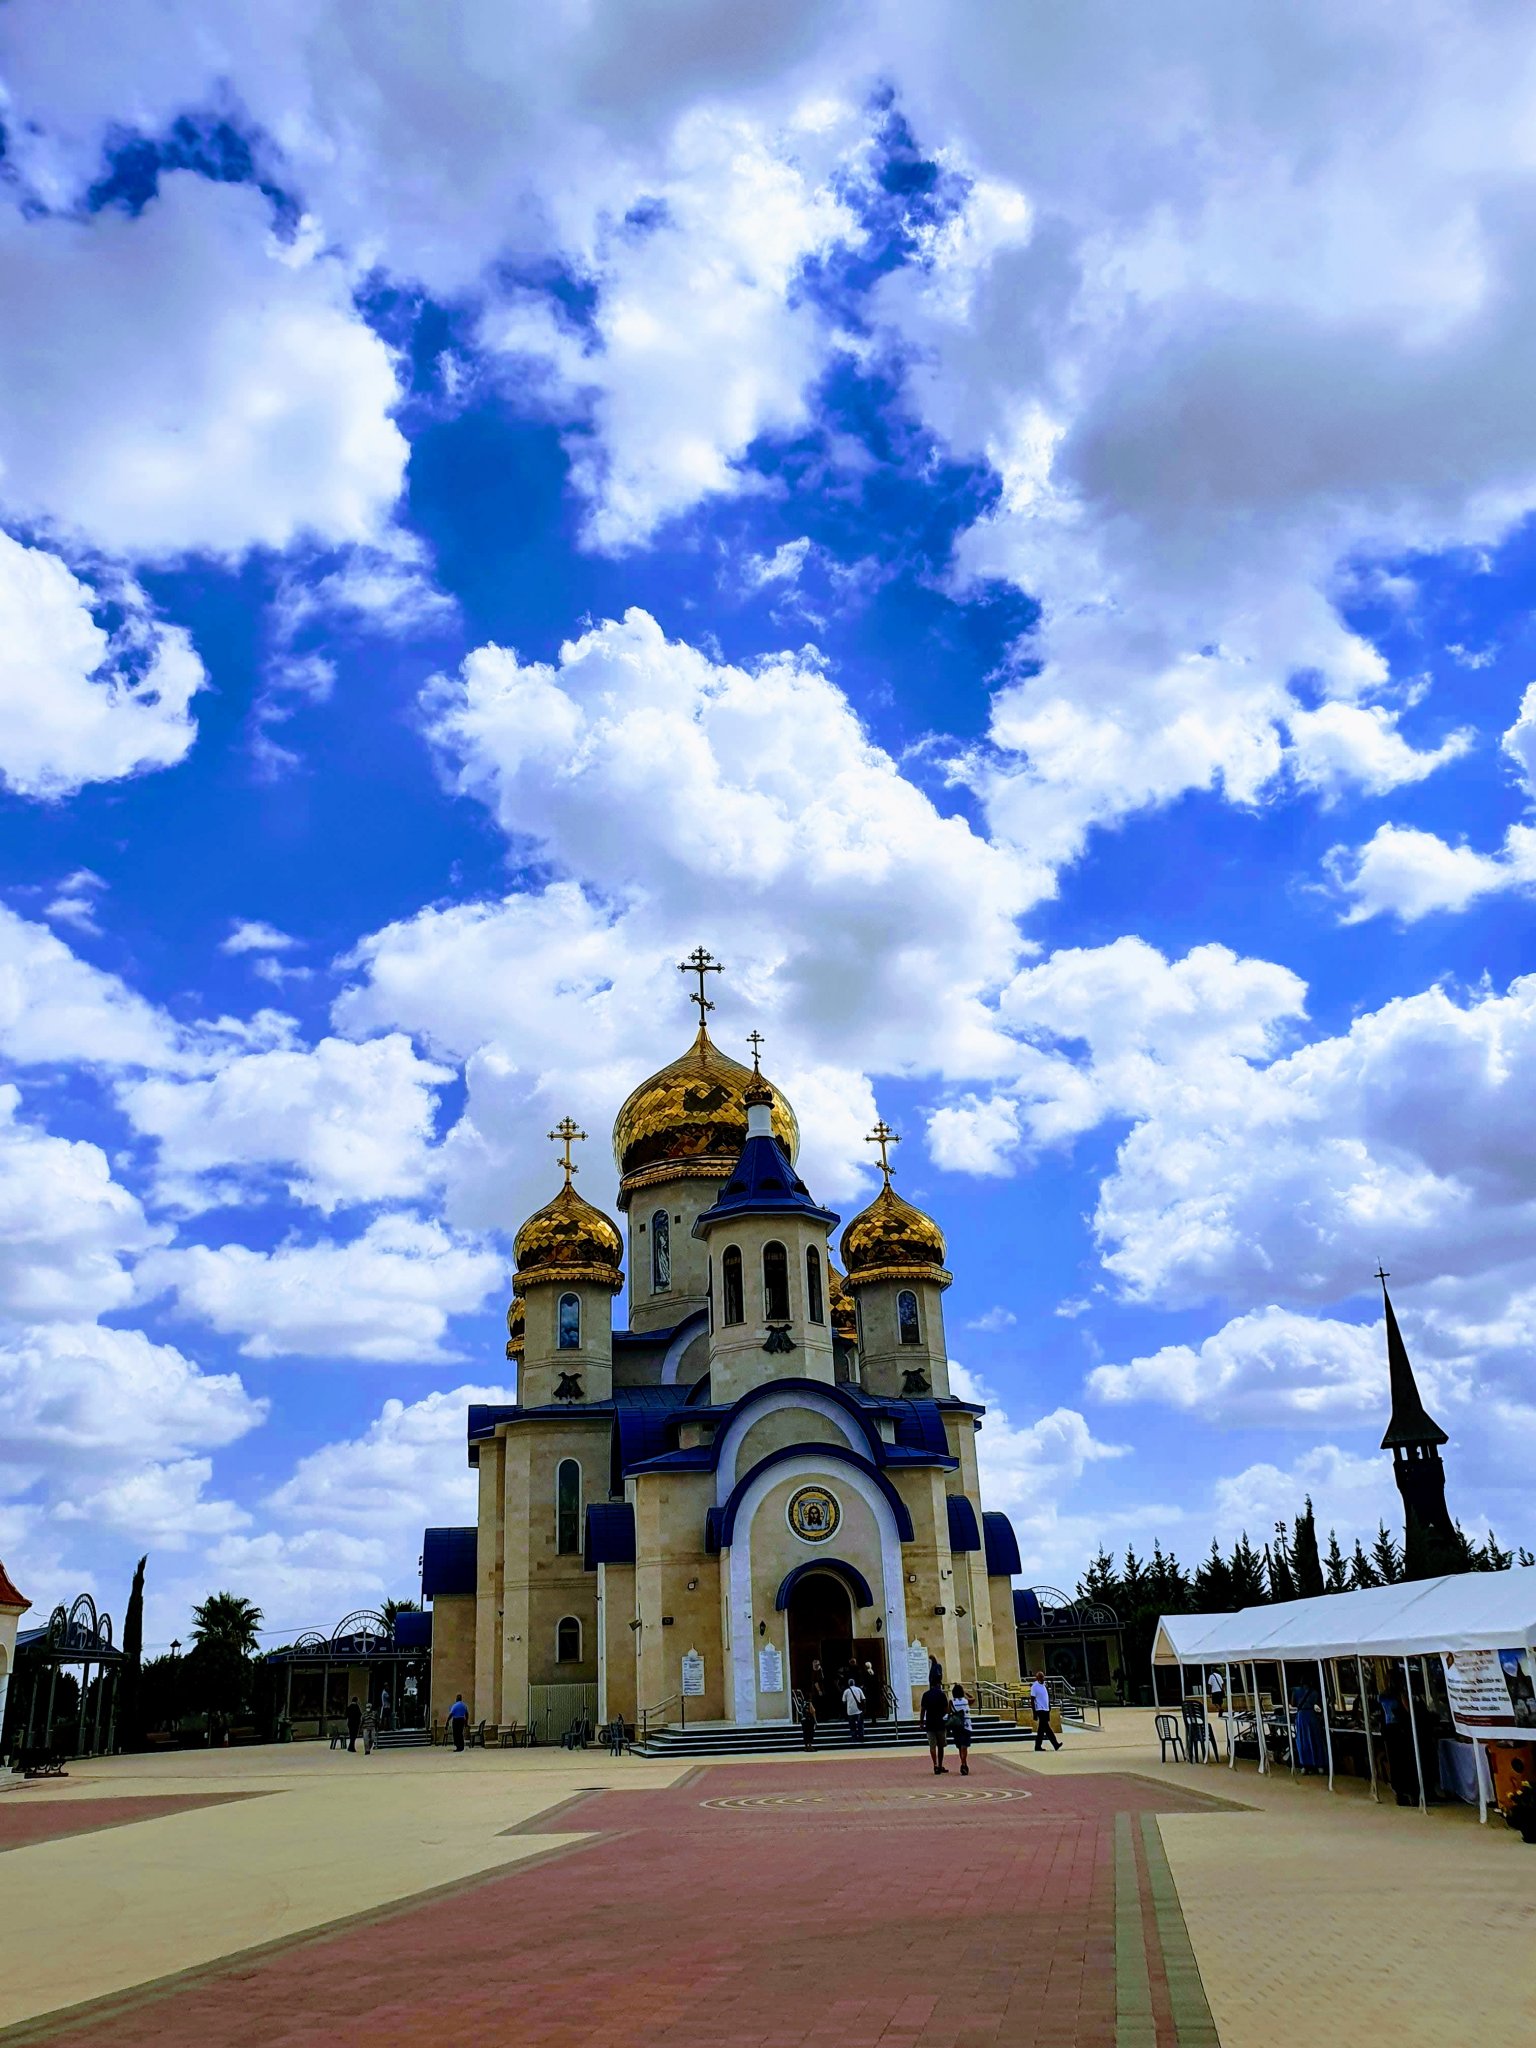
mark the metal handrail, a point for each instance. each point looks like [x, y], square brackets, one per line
[659, 1715]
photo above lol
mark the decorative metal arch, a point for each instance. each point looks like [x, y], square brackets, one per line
[362, 1624]
[311, 1639]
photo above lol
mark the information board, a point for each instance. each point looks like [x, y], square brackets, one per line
[693, 1675]
[770, 1669]
[1491, 1692]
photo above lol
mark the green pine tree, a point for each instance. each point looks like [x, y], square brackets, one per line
[1277, 1565]
[1361, 1571]
[1386, 1557]
[1308, 1565]
[1335, 1566]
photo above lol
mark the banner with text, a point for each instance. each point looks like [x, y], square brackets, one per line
[1491, 1692]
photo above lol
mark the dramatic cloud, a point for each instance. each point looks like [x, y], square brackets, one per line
[1271, 1368]
[54, 1008]
[333, 1125]
[67, 1228]
[182, 382]
[80, 704]
[407, 1468]
[385, 1297]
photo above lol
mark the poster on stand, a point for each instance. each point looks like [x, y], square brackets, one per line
[1491, 1692]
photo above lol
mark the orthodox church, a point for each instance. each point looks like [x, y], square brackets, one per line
[765, 1471]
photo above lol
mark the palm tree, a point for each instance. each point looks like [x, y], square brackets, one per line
[391, 1608]
[226, 1622]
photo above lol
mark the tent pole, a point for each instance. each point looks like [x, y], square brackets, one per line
[1226, 1714]
[1365, 1723]
[1413, 1730]
[1322, 1677]
[1258, 1718]
[1290, 1731]
[1482, 1789]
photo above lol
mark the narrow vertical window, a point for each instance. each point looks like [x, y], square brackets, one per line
[569, 1323]
[568, 1640]
[661, 1253]
[906, 1317]
[733, 1309]
[567, 1507]
[813, 1286]
[775, 1284]
[711, 1297]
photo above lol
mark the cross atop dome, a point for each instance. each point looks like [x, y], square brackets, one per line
[700, 962]
[755, 1040]
[563, 1134]
[883, 1136]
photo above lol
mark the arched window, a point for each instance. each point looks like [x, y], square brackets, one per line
[568, 1640]
[661, 1253]
[732, 1310]
[906, 1317]
[775, 1284]
[813, 1285]
[567, 1507]
[569, 1338]
[858, 1321]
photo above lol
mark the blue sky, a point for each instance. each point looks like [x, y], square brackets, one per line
[1012, 530]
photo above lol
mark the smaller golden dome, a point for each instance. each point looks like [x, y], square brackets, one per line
[568, 1240]
[844, 1313]
[515, 1331]
[891, 1240]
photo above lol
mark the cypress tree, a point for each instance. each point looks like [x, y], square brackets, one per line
[1309, 1569]
[1335, 1567]
[130, 1698]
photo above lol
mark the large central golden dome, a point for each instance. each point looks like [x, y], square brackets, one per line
[690, 1121]
[892, 1240]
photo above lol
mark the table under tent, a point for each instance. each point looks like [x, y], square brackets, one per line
[1422, 1676]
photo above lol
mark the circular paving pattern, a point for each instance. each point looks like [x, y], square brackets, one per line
[859, 1802]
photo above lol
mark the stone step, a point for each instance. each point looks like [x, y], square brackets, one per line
[403, 1738]
[728, 1739]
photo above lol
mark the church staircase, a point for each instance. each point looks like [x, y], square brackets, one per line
[729, 1738]
[403, 1738]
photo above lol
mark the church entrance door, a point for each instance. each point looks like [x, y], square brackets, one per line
[820, 1632]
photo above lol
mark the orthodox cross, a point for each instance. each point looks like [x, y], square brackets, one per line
[883, 1136]
[755, 1040]
[563, 1133]
[700, 962]
[1381, 1276]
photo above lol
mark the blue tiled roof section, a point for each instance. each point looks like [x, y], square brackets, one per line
[963, 1532]
[919, 1426]
[413, 1631]
[650, 1397]
[1026, 1608]
[447, 1562]
[697, 1458]
[483, 1418]
[1002, 1546]
[610, 1534]
[764, 1182]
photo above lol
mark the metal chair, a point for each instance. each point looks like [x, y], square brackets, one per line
[1168, 1735]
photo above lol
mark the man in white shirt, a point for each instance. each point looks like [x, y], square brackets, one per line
[853, 1707]
[1040, 1699]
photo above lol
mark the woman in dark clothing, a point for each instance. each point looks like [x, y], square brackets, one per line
[933, 1712]
[808, 1721]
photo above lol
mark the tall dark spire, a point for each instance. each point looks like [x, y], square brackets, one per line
[1411, 1422]
[1431, 1541]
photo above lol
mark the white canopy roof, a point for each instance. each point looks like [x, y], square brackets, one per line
[1467, 1611]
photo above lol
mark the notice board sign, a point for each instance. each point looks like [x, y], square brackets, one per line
[693, 1676]
[770, 1669]
[1491, 1692]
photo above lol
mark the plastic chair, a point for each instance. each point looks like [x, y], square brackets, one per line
[1168, 1735]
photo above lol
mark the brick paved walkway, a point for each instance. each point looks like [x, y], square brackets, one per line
[23, 1822]
[750, 1908]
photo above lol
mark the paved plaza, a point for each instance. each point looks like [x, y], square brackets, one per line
[300, 1895]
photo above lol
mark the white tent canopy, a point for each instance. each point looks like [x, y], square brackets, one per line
[1467, 1611]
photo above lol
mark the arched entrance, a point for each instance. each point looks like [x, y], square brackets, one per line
[820, 1630]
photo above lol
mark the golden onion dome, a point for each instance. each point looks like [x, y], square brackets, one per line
[891, 1240]
[568, 1240]
[515, 1331]
[689, 1122]
[843, 1313]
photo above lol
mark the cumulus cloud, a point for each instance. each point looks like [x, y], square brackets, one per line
[1271, 1368]
[78, 703]
[331, 1125]
[254, 935]
[182, 382]
[1349, 1493]
[68, 1230]
[55, 1007]
[408, 1467]
[1404, 873]
[385, 1296]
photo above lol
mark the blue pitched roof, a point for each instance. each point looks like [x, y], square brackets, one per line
[413, 1631]
[447, 1562]
[1002, 1546]
[963, 1532]
[764, 1182]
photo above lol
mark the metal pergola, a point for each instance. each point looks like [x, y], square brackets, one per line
[1058, 1618]
[78, 1636]
[363, 1637]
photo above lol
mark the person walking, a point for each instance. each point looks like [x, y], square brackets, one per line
[960, 1725]
[1040, 1700]
[354, 1722]
[853, 1707]
[370, 1728]
[808, 1721]
[871, 1692]
[933, 1712]
[458, 1720]
[386, 1709]
[1402, 1764]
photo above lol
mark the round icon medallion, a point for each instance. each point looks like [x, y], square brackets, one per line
[813, 1513]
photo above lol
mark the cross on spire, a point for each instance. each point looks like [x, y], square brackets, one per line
[1381, 1276]
[562, 1134]
[883, 1136]
[700, 962]
[755, 1040]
